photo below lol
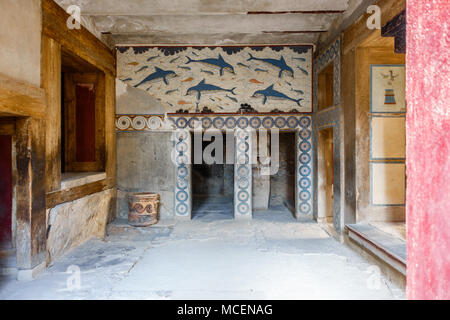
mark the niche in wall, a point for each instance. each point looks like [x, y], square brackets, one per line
[325, 90]
[82, 116]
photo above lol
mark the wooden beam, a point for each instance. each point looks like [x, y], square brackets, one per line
[7, 126]
[357, 32]
[20, 99]
[79, 41]
[30, 200]
[110, 130]
[51, 82]
[58, 197]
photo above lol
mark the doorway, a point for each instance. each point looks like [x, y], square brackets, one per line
[212, 184]
[325, 176]
[6, 189]
[282, 183]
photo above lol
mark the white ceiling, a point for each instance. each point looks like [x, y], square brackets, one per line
[211, 22]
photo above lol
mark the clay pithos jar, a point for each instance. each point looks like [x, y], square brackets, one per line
[144, 209]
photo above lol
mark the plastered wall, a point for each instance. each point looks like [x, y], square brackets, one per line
[20, 35]
[380, 191]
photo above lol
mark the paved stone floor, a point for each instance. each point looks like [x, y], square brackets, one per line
[212, 256]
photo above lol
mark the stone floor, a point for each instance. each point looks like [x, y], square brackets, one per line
[212, 256]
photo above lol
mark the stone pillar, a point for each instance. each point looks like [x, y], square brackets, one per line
[303, 187]
[243, 175]
[183, 184]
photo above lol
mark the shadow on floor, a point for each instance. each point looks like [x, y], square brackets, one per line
[212, 207]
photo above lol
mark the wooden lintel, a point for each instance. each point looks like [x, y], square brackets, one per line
[21, 99]
[7, 126]
[78, 41]
[359, 31]
[58, 197]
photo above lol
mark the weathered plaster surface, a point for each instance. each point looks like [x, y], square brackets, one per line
[72, 223]
[428, 149]
[130, 100]
[20, 34]
[144, 165]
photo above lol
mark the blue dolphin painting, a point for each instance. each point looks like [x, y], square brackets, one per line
[219, 62]
[271, 92]
[158, 74]
[281, 64]
[202, 86]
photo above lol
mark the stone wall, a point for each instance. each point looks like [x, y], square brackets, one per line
[72, 223]
[144, 165]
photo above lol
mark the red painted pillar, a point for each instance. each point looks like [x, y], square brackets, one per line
[428, 149]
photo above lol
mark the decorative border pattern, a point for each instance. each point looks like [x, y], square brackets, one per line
[243, 175]
[303, 188]
[183, 196]
[138, 122]
[237, 121]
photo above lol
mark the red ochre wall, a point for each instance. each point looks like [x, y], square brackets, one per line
[428, 149]
[5, 191]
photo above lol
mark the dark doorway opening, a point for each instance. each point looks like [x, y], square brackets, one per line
[212, 184]
[282, 183]
[6, 189]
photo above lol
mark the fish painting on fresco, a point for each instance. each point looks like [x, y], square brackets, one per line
[203, 86]
[281, 64]
[151, 58]
[141, 69]
[270, 92]
[219, 62]
[255, 81]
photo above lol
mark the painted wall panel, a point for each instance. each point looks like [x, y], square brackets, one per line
[388, 138]
[220, 79]
[388, 184]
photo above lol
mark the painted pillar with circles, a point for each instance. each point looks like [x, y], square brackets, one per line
[303, 187]
[182, 158]
[243, 175]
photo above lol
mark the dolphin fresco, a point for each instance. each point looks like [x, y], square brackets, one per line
[202, 86]
[271, 92]
[281, 64]
[158, 74]
[219, 62]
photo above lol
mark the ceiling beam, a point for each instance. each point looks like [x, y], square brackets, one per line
[200, 7]
[212, 24]
[211, 39]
